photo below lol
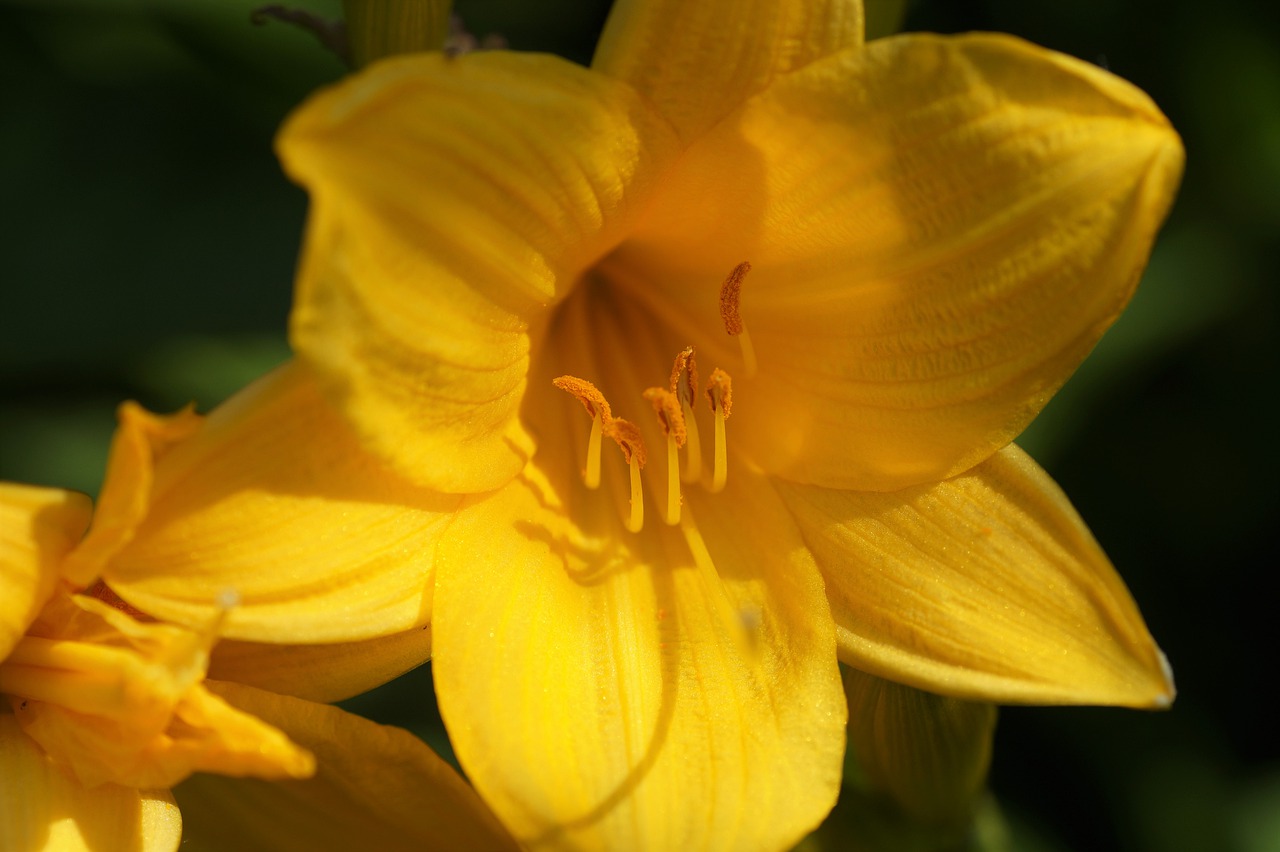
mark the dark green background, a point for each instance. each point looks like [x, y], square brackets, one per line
[148, 241]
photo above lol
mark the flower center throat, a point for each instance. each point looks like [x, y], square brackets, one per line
[674, 408]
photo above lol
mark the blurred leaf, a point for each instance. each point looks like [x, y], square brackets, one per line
[62, 444]
[1181, 804]
[206, 370]
[1256, 815]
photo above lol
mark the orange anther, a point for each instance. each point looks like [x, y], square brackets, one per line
[627, 436]
[670, 417]
[587, 394]
[687, 368]
[720, 391]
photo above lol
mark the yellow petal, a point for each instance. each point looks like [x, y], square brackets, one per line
[605, 690]
[141, 439]
[321, 672]
[930, 753]
[940, 230]
[698, 61]
[378, 788]
[452, 200]
[275, 500]
[987, 587]
[38, 526]
[44, 810]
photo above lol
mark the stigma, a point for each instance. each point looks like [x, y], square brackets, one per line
[731, 314]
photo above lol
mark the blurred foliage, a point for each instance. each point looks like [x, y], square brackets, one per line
[149, 240]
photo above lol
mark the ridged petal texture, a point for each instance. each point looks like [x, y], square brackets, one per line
[697, 61]
[672, 690]
[987, 586]
[453, 201]
[940, 230]
[38, 527]
[275, 500]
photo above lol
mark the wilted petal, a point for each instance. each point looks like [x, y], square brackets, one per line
[38, 526]
[452, 201]
[606, 690]
[117, 700]
[940, 229]
[987, 586]
[697, 61]
[378, 787]
[42, 809]
[275, 500]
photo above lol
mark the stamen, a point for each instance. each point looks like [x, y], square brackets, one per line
[720, 396]
[684, 384]
[671, 419]
[592, 474]
[627, 436]
[596, 405]
[730, 297]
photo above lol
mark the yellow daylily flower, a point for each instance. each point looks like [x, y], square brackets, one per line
[923, 235]
[102, 712]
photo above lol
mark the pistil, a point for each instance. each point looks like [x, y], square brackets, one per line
[730, 298]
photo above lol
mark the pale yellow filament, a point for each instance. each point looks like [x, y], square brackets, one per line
[673, 481]
[636, 522]
[592, 475]
[693, 446]
[721, 469]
